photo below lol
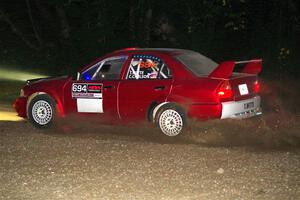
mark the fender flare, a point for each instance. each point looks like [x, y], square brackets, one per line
[59, 106]
[157, 108]
[29, 99]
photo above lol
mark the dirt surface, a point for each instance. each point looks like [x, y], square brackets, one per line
[130, 163]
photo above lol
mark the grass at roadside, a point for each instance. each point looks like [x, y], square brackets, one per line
[9, 91]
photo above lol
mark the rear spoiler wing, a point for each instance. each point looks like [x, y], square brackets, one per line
[225, 69]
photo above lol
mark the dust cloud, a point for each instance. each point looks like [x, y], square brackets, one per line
[278, 127]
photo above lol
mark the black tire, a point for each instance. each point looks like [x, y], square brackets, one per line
[41, 111]
[171, 119]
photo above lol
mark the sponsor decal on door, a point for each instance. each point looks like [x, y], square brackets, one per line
[88, 97]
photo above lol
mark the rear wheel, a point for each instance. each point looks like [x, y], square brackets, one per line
[41, 111]
[171, 119]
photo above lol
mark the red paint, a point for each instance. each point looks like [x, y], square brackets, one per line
[20, 106]
[224, 70]
[130, 100]
[253, 67]
[242, 78]
[135, 96]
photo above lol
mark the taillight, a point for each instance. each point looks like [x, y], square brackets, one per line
[225, 92]
[256, 87]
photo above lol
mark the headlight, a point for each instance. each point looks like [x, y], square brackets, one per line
[22, 93]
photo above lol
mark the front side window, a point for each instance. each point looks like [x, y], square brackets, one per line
[147, 67]
[108, 69]
[89, 73]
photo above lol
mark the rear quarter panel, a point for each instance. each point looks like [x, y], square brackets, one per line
[197, 96]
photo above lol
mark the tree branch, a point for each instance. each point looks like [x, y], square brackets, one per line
[65, 28]
[16, 31]
[32, 23]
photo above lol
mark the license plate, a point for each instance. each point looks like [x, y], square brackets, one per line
[249, 105]
[243, 89]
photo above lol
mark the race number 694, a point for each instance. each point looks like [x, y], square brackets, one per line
[79, 88]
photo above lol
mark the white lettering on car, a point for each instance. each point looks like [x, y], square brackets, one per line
[88, 97]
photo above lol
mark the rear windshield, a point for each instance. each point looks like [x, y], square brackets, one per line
[197, 63]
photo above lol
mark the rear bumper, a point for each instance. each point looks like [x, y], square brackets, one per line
[20, 106]
[241, 109]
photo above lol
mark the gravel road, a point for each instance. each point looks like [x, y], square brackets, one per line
[93, 164]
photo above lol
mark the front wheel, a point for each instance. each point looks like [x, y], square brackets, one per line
[171, 120]
[41, 111]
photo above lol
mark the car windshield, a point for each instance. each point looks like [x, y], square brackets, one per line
[197, 63]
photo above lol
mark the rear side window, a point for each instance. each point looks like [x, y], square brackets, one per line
[197, 63]
[147, 67]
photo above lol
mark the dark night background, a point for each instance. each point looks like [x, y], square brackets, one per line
[257, 158]
[60, 36]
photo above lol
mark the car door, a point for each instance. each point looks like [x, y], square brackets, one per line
[95, 90]
[148, 79]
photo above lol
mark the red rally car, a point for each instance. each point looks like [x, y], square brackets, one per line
[163, 86]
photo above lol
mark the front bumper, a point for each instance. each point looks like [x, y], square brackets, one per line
[20, 106]
[241, 109]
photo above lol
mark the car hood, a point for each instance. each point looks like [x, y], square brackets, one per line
[46, 79]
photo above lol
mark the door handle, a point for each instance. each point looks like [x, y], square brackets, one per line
[161, 87]
[108, 86]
